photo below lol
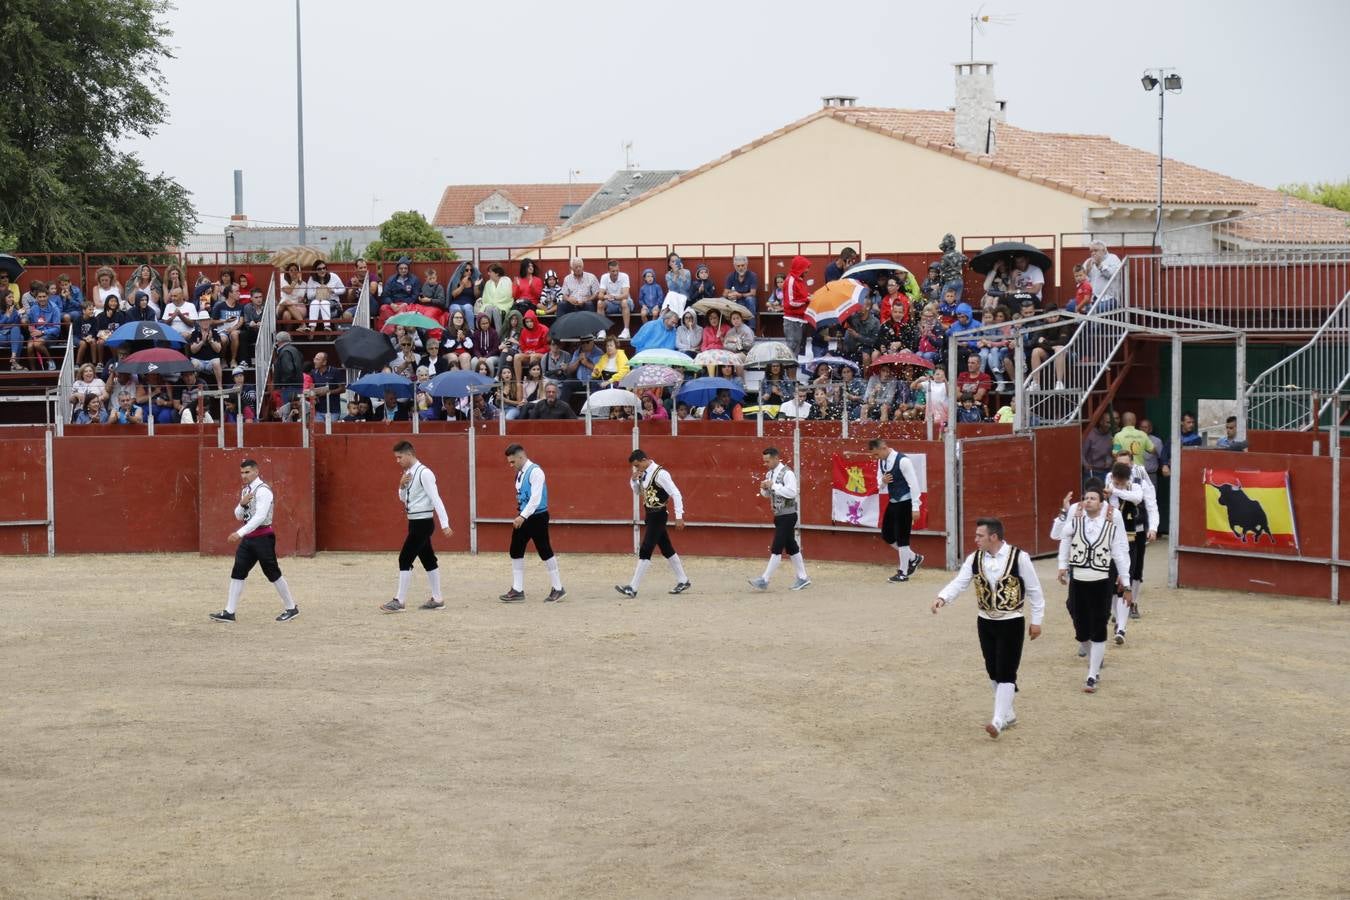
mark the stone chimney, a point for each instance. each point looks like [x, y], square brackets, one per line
[977, 112]
[839, 100]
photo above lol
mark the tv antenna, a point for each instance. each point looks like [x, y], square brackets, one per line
[980, 18]
[628, 155]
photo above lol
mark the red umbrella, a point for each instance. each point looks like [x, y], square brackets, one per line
[157, 359]
[903, 358]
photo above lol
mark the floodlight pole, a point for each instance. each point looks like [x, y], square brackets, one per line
[1241, 389]
[950, 487]
[299, 129]
[1174, 496]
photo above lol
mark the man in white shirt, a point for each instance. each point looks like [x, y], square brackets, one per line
[180, 314]
[1027, 277]
[780, 486]
[798, 407]
[1132, 492]
[257, 544]
[896, 479]
[1092, 541]
[421, 498]
[1101, 266]
[530, 524]
[657, 492]
[579, 288]
[614, 297]
[1005, 584]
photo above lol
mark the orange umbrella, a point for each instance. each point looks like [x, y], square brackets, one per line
[836, 301]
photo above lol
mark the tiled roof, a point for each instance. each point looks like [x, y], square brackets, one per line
[622, 186]
[545, 201]
[1093, 167]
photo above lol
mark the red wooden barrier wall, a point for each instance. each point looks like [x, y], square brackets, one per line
[289, 471]
[23, 485]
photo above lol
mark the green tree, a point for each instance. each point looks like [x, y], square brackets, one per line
[341, 251]
[75, 77]
[1335, 194]
[409, 229]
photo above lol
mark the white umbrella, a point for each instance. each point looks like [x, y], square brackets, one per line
[603, 400]
[765, 352]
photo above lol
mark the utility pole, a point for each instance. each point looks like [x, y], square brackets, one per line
[299, 126]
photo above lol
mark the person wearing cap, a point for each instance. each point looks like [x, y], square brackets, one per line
[246, 400]
[204, 347]
[551, 295]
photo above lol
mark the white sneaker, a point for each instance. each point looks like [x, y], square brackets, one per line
[623, 335]
[759, 584]
[1059, 385]
[800, 584]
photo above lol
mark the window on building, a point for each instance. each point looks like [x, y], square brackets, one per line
[497, 217]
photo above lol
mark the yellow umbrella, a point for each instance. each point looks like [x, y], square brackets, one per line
[304, 257]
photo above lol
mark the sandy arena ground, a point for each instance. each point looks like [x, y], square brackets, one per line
[720, 744]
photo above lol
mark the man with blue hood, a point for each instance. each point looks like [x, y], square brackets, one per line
[658, 334]
[404, 287]
[964, 322]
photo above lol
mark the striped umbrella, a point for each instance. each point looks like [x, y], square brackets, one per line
[836, 301]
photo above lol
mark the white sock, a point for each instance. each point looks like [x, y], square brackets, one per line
[904, 558]
[677, 566]
[518, 574]
[1084, 646]
[283, 591]
[1003, 701]
[404, 579]
[1136, 588]
[773, 564]
[554, 578]
[799, 563]
[1096, 653]
[434, 579]
[236, 591]
[1122, 610]
[638, 571]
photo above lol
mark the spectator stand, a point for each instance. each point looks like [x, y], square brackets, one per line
[124, 264]
[970, 245]
[48, 267]
[253, 263]
[1073, 250]
[778, 257]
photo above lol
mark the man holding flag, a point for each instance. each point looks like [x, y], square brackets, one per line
[896, 479]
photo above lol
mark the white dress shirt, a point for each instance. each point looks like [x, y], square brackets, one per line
[894, 462]
[994, 564]
[1092, 528]
[1140, 492]
[665, 482]
[420, 496]
[258, 514]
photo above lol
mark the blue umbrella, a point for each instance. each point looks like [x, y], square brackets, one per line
[144, 331]
[701, 391]
[458, 383]
[376, 384]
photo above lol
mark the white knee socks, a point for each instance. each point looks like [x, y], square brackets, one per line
[434, 580]
[638, 571]
[799, 564]
[773, 564]
[236, 591]
[553, 576]
[518, 574]
[1136, 588]
[1122, 611]
[404, 579]
[283, 591]
[677, 566]
[1003, 702]
[1096, 653]
[904, 557]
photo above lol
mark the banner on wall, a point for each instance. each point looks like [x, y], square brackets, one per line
[855, 500]
[1249, 510]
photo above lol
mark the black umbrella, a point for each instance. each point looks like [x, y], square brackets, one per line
[985, 259]
[10, 266]
[576, 325]
[364, 349]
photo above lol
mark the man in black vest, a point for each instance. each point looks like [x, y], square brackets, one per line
[1005, 584]
[896, 479]
[656, 490]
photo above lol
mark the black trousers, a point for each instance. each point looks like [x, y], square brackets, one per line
[1001, 643]
[535, 529]
[897, 521]
[785, 535]
[417, 545]
[1137, 548]
[1091, 607]
[261, 551]
[655, 535]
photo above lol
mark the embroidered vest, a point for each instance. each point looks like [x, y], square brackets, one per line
[1003, 596]
[1091, 560]
[248, 508]
[653, 495]
[782, 505]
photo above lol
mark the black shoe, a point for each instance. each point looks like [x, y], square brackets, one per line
[558, 593]
[1090, 686]
[223, 616]
[625, 589]
[898, 577]
[288, 614]
[681, 587]
[914, 564]
[512, 596]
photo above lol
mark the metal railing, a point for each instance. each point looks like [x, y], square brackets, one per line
[267, 332]
[1297, 392]
[361, 314]
[65, 383]
[1059, 386]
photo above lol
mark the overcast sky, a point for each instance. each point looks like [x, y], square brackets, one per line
[403, 97]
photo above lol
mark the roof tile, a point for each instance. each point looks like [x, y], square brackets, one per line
[545, 201]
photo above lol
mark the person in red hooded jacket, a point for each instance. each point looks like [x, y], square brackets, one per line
[533, 343]
[796, 297]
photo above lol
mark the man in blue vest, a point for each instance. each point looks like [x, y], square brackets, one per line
[896, 480]
[530, 524]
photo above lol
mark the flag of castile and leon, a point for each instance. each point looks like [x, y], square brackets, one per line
[855, 500]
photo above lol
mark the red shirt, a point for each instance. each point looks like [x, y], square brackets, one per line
[534, 340]
[967, 383]
[528, 289]
[1082, 298]
[886, 306]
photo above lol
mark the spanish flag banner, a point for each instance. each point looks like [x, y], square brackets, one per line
[855, 500]
[1249, 510]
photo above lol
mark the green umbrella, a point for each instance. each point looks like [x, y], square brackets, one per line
[414, 320]
[659, 357]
